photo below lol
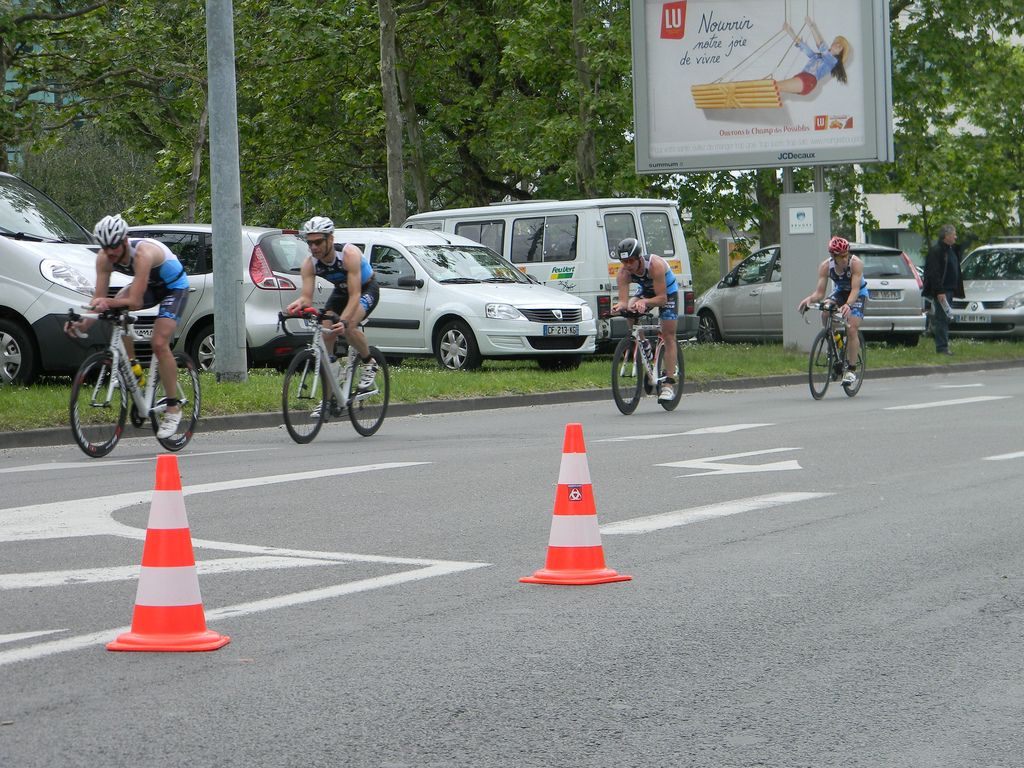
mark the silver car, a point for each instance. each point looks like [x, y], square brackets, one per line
[269, 283]
[747, 304]
[993, 303]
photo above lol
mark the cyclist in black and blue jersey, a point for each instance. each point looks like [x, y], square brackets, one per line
[658, 288]
[355, 293]
[849, 293]
[157, 278]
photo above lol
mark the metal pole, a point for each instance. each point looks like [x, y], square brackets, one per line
[225, 194]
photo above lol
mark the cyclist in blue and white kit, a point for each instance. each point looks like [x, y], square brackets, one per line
[849, 293]
[658, 288]
[158, 278]
[355, 293]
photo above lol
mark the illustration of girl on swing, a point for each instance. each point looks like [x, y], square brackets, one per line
[822, 61]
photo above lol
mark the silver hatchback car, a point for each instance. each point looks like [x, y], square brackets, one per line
[747, 304]
[270, 283]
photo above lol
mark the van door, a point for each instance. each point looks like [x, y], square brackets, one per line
[396, 325]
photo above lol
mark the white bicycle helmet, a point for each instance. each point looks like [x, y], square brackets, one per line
[319, 224]
[110, 231]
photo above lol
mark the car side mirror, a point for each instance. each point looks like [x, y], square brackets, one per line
[410, 282]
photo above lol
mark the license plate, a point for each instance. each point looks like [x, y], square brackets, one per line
[971, 318]
[561, 330]
[144, 334]
[884, 294]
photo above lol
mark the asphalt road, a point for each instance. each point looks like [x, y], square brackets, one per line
[833, 583]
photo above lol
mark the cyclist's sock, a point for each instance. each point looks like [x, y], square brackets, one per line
[670, 380]
[365, 360]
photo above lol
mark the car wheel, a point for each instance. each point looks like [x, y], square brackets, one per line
[17, 355]
[203, 348]
[456, 347]
[559, 362]
[707, 329]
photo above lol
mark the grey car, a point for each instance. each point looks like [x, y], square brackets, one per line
[993, 303]
[269, 283]
[747, 304]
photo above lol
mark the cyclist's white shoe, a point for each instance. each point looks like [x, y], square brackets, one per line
[169, 425]
[315, 413]
[850, 377]
[369, 377]
[667, 393]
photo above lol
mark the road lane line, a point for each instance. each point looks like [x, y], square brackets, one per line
[709, 512]
[26, 635]
[1005, 456]
[945, 403]
[92, 463]
[701, 431]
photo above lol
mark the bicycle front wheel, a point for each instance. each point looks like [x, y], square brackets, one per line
[99, 405]
[368, 404]
[680, 376]
[820, 365]
[188, 396]
[627, 375]
[862, 368]
[302, 400]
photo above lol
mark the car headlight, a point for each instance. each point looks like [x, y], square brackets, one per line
[1014, 302]
[502, 312]
[66, 276]
[588, 313]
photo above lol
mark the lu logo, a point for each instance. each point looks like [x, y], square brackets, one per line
[673, 20]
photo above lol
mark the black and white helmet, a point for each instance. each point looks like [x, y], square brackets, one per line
[110, 231]
[628, 249]
[319, 224]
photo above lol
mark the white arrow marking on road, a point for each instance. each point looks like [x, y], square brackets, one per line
[26, 635]
[944, 403]
[699, 514]
[959, 386]
[701, 431]
[1005, 456]
[717, 465]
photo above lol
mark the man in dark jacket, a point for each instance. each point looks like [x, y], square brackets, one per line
[943, 281]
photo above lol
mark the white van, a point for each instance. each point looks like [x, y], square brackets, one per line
[568, 245]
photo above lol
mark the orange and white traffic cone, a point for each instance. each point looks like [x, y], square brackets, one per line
[168, 607]
[575, 554]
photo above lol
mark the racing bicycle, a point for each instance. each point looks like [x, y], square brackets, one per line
[104, 392]
[827, 361]
[315, 390]
[638, 369]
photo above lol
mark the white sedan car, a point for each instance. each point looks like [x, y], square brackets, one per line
[993, 303]
[450, 297]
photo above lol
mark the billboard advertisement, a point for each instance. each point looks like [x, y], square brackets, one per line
[736, 84]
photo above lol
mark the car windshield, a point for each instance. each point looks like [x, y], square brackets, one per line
[882, 265]
[466, 264]
[28, 212]
[994, 264]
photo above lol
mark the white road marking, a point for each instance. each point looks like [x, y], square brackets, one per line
[1005, 456]
[717, 465]
[944, 403]
[26, 635]
[91, 517]
[701, 431]
[113, 462]
[699, 514]
[959, 386]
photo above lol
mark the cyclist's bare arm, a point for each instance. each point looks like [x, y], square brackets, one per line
[305, 299]
[819, 290]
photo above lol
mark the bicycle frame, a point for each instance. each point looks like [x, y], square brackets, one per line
[143, 399]
[635, 373]
[833, 340]
[339, 389]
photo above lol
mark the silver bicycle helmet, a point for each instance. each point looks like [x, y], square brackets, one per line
[110, 231]
[319, 224]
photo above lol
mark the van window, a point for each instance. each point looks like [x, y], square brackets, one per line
[389, 265]
[617, 227]
[489, 233]
[552, 238]
[657, 234]
[560, 238]
[527, 241]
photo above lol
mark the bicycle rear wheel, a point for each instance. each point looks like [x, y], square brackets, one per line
[99, 405]
[680, 377]
[188, 396]
[367, 406]
[302, 397]
[627, 376]
[862, 367]
[820, 362]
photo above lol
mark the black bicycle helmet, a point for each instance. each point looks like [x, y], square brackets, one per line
[628, 249]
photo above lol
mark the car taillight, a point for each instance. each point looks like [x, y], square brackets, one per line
[689, 303]
[263, 276]
[913, 270]
[604, 307]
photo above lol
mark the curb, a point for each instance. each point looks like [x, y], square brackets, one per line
[33, 438]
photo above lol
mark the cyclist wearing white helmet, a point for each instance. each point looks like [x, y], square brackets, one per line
[657, 288]
[355, 293]
[849, 293]
[157, 278]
